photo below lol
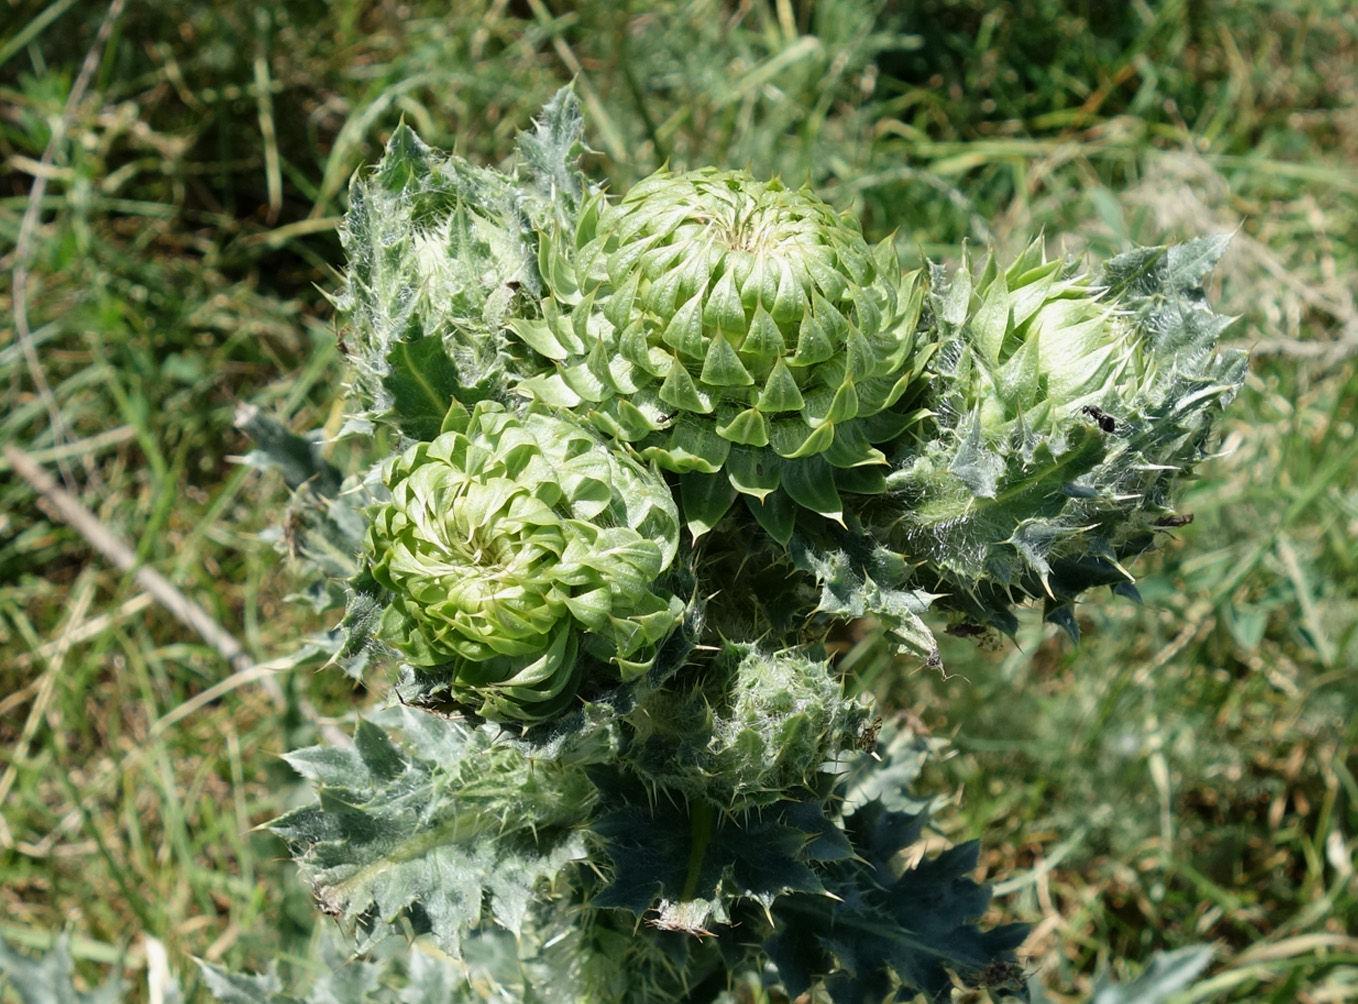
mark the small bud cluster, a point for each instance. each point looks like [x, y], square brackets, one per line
[764, 725]
[1069, 410]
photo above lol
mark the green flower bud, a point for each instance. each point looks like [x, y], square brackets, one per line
[518, 550]
[761, 725]
[1070, 411]
[737, 332]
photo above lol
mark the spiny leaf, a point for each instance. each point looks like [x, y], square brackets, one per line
[438, 251]
[692, 864]
[48, 978]
[323, 526]
[432, 831]
[592, 956]
[859, 578]
[889, 774]
[552, 151]
[421, 382]
[244, 988]
[352, 640]
[876, 932]
[415, 977]
[297, 458]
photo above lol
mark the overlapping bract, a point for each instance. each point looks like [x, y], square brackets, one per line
[735, 328]
[518, 551]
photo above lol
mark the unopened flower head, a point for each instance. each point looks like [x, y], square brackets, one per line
[734, 327]
[1069, 410]
[519, 551]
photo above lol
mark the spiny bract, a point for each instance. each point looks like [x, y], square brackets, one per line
[759, 726]
[1069, 411]
[515, 548]
[739, 333]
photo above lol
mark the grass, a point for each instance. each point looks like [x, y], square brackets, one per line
[1186, 774]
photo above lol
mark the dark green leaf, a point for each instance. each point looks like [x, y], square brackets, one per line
[878, 932]
[692, 863]
[422, 382]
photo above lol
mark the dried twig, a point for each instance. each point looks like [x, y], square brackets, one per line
[69, 509]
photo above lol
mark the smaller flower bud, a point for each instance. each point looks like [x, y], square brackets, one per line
[519, 551]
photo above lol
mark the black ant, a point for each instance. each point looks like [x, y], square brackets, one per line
[1174, 521]
[965, 630]
[1105, 421]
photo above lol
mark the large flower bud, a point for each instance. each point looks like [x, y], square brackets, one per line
[732, 328]
[519, 551]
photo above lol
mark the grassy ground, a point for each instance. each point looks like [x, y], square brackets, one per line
[1186, 774]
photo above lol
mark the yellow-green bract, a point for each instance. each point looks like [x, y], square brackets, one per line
[732, 329]
[518, 552]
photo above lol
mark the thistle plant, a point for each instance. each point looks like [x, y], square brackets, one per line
[625, 765]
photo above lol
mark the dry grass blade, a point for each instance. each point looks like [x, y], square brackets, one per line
[189, 613]
[23, 246]
[90, 629]
[43, 695]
